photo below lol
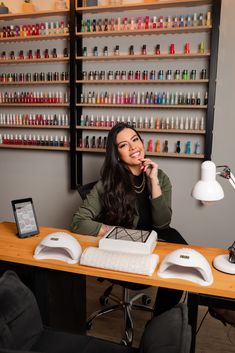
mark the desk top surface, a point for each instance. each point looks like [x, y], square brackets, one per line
[14, 249]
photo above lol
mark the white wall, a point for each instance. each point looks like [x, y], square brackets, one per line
[45, 175]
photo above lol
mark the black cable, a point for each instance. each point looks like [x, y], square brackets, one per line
[202, 322]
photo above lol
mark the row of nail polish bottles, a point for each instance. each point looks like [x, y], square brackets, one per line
[158, 123]
[33, 55]
[138, 98]
[34, 119]
[159, 147]
[34, 97]
[145, 22]
[92, 142]
[143, 50]
[34, 140]
[35, 77]
[143, 75]
[28, 30]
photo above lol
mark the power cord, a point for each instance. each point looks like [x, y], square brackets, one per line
[202, 320]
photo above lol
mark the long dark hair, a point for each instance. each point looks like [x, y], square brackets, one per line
[118, 200]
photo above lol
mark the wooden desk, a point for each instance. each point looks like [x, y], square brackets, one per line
[20, 251]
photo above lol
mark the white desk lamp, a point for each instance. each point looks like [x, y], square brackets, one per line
[208, 190]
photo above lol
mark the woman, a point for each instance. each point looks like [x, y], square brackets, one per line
[134, 193]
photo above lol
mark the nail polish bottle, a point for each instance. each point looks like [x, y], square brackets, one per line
[168, 22]
[157, 123]
[94, 25]
[187, 48]
[146, 123]
[197, 148]
[139, 22]
[188, 21]
[176, 21]
[161, 22]
[196, 123]
[198, 100]
[202, 124]
[150, 145]
[106, 24]
[202, 47]
[144, 50]
[191, 123]
[112, 24]
[118, 26]
[177, 123]
[132, 26]
[140, 123]
[165, 148]
[195, 22]
[154, 23]
[208, 18]
[186, 124]
[146, 26]
[131, 50]
[188, 147]
[181, 23]
[200, 20]
[158, 146]
[99, 142]
[193, 99]
[88, 25]
[95, 51]
[56, 141]
[54, 53]
[172, 48]
[116, 50]
[105, 51]
[178, 149]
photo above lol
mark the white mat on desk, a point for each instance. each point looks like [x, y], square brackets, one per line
[118, 261]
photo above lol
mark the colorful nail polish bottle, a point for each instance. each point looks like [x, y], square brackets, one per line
[172, 48]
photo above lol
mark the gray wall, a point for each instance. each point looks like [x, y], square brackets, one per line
[45, 175]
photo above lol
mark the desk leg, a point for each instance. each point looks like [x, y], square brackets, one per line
[192, 315]
[61, 297]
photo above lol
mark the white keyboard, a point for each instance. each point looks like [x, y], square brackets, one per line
[118, 261]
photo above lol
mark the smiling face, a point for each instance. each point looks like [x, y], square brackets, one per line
[130, 149]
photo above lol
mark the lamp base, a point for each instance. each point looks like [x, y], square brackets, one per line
[222, 263]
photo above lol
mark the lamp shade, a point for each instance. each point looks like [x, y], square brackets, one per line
[208, 189]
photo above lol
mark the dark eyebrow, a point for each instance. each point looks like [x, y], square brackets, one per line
[127, 141]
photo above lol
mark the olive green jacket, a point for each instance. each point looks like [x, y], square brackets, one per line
[84, 219]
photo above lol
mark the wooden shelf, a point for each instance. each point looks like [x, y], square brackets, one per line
[143, 57]
[18, 126]
[13, 16]
[158, 131]
[32, 61]
[42, 105]
[134, 32]
[32, 147]
[153, 5]
[153, 154]
[137, 82]
[155, 106]
[34, 38]
[36, 83]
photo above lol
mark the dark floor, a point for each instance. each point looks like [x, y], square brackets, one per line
[213, 336]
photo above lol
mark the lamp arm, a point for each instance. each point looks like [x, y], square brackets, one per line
[227, 174]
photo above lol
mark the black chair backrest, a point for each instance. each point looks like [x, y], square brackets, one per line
[20, 320]
[84, 190]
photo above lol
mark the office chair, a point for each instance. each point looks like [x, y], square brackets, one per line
[126, 303]
[22, 331]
